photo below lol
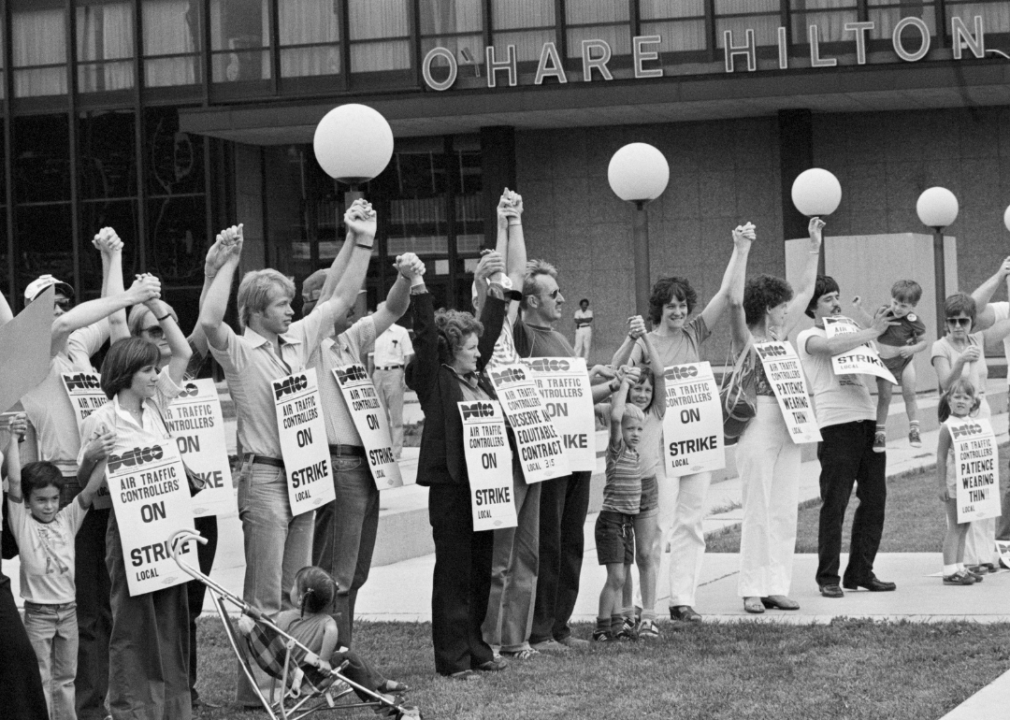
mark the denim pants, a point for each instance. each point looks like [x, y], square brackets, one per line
[564, 503]
[277, 545]
[847, 457]
[345, 536]
[21, 694]
[52, 630]
[514, 569]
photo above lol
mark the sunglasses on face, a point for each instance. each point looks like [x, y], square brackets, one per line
[554, 294]
[155, 332]
[961, 322]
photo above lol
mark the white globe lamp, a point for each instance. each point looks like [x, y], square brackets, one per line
[816, 192]
[1006, 217]
[937, 207]
[353, 143]
[638, 173]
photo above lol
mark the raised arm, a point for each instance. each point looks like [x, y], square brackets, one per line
[983, 294]
[998, 331]
[424, 369]
[215, 301]
[817, 345]
[515, 258]
[111, 247]
[738, 318]
[408, 268]
[492, 262]
[88, 313]
[619, 401]
[16, 429]
[658, 374]
[216, 256]
[735, 271]
[942, 450]
[181, 352]
[808, 281]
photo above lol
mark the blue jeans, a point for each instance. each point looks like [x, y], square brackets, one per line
[52, 630]
[277, 545]
[345, 536]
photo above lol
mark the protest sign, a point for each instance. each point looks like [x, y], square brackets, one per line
[84, 389]
[302, 433]
[371, 423]
[25, 345]
[151, 497]
[541, 452]
[563, 384]
[692, 426]
[785, 375]
[976, 468]
[196, 423]
[488, 464]
[863, 360]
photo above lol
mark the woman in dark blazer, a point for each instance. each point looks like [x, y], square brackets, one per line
[450, 353]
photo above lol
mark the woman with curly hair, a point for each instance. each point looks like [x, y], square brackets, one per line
[451, 350]
[766, 457]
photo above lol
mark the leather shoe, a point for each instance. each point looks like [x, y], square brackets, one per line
[779, 602]
[873, 585]
[832, 591]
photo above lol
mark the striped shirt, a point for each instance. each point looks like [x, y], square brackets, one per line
[623, 491]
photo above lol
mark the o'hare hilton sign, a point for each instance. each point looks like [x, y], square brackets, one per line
[910, 38]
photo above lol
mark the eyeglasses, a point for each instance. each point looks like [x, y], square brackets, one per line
[62, 303]
[154, 331]
[554, 294]
[961, 322]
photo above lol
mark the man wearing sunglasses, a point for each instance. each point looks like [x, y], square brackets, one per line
[846, 416]
[78, 332]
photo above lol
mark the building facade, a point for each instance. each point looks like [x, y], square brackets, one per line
[169, 119]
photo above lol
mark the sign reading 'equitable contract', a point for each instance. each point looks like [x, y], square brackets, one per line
[488, 465]
[861, 361]
[692, 426]
[976, 468]
[563, 384]
[302, 432]
[371, 423]
[541, 453]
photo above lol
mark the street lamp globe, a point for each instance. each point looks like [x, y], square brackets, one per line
[816, 192]
[1006, 217]
[937, 207]
[353, 143]
[638, 173]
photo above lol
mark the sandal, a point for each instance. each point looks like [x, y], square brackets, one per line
[392, 687]
[753, 605]
[779, 602]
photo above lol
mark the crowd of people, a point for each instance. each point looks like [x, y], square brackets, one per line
[498, 595]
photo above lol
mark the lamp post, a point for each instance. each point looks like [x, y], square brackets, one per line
[937, 209]
[638, 173]
[816, 193]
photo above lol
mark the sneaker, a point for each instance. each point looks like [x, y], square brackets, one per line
[602, 636]
[913, 438]
[961, 577]
[880, 441]
[626, 633]
[629, 625]
[574, 643]
[524, 654]
[647, 630]
[549, 646]
[976, 575]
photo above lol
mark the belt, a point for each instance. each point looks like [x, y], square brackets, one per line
[264, 460]
[391, 367]
[354, 450]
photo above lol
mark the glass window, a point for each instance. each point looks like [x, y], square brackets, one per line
[598, 20]
[829, 16]
[39, 45]
[174, 159]
[995, 14]
[240, 34]
[309, 37]
[527, 24]
[121, 215]
[171, 42]
[681, 25]
[44, 243]
[41, 158]
[108, 163]
[456, 25]
[177, 233]
[885, 14]
[379, 35]
[104, 46]
[737, 16]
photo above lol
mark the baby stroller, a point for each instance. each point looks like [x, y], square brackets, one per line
[302, 684]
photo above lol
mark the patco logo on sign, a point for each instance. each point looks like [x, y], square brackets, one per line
[478, 410]
[967, 430]
[291, 385]
[83, 382]
[355, 372]
[509, 375]
[770, 351]
[137, 456]
[189, 390]
[681, 372]
[543, 364]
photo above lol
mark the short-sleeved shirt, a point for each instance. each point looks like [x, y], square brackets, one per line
[676, 348]
[393, 347]
[47, 552]
[838, 399]
[48, 406]
[583, 318]
[976, 372]
[349, 347]
[623, 490]
[308, 630]
[250, 364]
[1002, 310]
[908, 331]
[650, 447]
[540, 341]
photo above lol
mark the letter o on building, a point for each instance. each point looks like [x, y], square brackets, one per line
[899, 47]
[426, 69]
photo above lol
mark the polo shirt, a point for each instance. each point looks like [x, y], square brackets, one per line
[347, 348]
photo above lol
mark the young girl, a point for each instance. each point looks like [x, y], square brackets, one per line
[959, 401]
[314, 627]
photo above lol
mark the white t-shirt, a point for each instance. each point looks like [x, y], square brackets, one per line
[392, 347]
[837, 398]
[47, 552]
[1002, 310]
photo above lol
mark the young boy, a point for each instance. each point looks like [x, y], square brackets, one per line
[896, 347]
[615, 526]
[45, 537]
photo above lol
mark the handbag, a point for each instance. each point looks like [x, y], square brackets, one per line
[738, 407]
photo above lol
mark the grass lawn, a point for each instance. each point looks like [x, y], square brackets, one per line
[850, 669]
[914, 523]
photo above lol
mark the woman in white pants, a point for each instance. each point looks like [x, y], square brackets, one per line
[766, 457]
